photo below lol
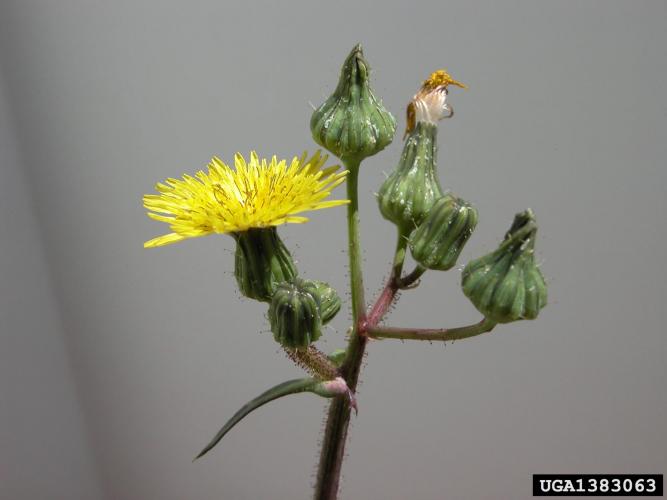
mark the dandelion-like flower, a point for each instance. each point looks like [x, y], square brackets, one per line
[256, 194]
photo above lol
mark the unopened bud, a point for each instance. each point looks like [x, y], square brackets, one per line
[294, 315]
[410, 191]
[327, 298]
[438, 241]
[506, 285]
[352, 123]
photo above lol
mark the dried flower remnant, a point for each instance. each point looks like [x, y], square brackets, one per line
[430, 105]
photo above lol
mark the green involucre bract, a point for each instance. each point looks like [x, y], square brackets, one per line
[294, 314]
[506, 285]
[410, 191]
[352, 123]
[439, 239]
[261, 262]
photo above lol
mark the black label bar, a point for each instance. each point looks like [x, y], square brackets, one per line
[597, 485]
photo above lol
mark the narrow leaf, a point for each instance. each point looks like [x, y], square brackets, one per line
[285, 389]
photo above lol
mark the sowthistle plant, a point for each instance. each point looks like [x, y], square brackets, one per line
[249, 201]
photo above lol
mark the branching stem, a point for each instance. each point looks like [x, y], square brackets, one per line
[410, 280]
[394, 283]
[463, 332]
[365, 326]
[338, 419]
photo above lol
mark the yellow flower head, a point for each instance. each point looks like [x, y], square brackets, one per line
[256, 194]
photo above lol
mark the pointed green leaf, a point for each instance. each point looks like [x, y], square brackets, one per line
[285, 389]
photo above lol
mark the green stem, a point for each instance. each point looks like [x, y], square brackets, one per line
[386, 298]
[338, 419]
[399, 255]
[333, 444]
[409, 280]
[464, 332]
[354, 245]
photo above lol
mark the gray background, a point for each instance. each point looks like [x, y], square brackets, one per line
[118, 363]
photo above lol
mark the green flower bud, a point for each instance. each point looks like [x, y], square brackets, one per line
[438, 241]
[327, 298]
[261, 262]
[352, 123]
[294, 315]
[506, 285]
[411, 190]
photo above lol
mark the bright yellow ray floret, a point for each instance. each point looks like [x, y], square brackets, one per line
[256, 194]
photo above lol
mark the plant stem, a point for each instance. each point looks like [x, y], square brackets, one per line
[354, 245]
[313, 361]
[338, 419]
[409, 280]
[388, 294]
[399, 255]
[463, 332]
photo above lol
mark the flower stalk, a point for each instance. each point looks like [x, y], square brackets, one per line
[314, 361]
[394, 283]
[354, 244]
[431, 334]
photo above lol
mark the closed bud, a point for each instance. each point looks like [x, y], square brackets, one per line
[327, 298]
[352, 123]
[261, 262]
[408, 194]
[438, 241]
[294, 315]
[506, 285]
